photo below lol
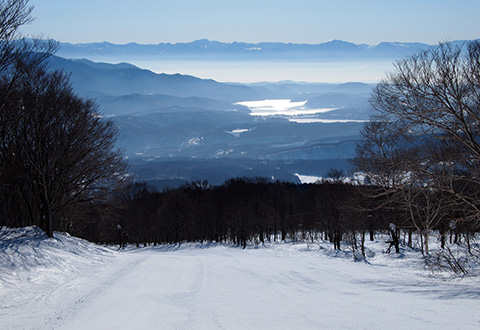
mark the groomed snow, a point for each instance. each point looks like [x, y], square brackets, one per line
[67, 283]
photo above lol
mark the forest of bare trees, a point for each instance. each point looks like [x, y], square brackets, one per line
[251, 212]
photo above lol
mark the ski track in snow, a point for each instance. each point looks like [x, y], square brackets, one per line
[284, 286]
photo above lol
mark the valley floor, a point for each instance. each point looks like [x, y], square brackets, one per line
[72, 284]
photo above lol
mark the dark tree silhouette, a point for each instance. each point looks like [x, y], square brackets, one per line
[59, 151]
[422, 146]
[425, 132]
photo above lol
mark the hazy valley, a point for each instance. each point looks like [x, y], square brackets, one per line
[175, 128]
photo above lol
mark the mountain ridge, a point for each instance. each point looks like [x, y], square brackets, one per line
[93, 79]
[338, 49]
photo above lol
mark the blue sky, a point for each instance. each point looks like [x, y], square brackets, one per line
[296, 21]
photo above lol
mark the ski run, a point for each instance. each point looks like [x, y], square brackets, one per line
[68, 283]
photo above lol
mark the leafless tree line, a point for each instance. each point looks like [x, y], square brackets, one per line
[251, 212]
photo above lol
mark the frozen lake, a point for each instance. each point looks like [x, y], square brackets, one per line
[294, 111]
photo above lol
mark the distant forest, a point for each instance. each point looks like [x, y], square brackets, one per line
[250, 212]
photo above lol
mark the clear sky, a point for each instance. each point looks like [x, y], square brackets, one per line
[296, 21]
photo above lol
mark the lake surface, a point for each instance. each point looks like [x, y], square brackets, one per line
[296, 112]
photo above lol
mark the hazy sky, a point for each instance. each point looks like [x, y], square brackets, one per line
[296, 21]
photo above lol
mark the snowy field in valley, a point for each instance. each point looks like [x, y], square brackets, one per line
[68, 283]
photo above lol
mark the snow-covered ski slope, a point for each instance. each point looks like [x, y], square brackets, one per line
[67, 283]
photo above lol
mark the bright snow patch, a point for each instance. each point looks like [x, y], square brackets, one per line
[308, 178]
[237, 132]
[356, 179]
[324, 121]
[67, 283]
[193, 142]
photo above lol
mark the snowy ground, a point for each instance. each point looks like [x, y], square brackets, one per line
[67, 283]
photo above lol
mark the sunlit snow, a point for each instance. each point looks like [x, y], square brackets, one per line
[237, 132]
[325, 121]
[308, 178]
[68, 283]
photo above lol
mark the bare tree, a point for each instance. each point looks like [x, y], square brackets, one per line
[432, 101]
[59, 151]
[13, 14]
[17, 54]
[423, 143]
[13, 46]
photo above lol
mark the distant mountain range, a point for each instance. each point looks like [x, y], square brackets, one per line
[215, 50]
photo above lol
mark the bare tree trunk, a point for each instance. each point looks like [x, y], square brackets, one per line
[425, 243]
[410, 241]
[47, 212]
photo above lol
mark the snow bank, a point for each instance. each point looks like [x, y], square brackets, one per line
[36, 270]
[30, 249]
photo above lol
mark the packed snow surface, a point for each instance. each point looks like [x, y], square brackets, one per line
[68, 283]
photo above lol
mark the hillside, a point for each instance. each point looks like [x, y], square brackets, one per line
[96, 79]
[178, 117]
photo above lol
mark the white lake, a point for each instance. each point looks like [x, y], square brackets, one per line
[281, 107]
[324, 121]
[294, 111]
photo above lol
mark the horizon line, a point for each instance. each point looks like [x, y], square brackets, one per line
[254, 43]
